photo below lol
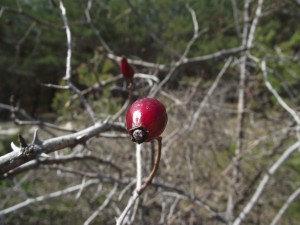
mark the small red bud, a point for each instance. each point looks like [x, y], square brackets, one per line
[146, 119]
[126, 69]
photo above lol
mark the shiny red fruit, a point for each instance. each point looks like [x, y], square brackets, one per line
[146, 119]
[126, 69]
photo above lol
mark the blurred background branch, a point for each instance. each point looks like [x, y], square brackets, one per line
[227, 72]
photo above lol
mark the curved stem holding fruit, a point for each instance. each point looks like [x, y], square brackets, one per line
[140, 190]
[154, 169]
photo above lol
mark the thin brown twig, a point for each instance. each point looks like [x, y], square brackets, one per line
[154, 169]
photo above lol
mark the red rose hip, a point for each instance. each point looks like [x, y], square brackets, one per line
[146, 119]
[126, 69]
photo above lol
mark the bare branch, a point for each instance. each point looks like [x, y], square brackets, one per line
[58, 160]
[59, 87]
[138, 166]
[262, 185]
[215, 55]
[16, 158]
[134, 199]
[140, 189]
[181, 194]
[97, 31]
[292, 112]
[56, 194]
[209, 93]
[254, 24]
[30, 120]
[21, 41]
[182, 58]
[236, 19]
[194, 17]
[68, 66]
[247, 42]
[16, 109]
[103, 205]
[286, 205]
[69, 41]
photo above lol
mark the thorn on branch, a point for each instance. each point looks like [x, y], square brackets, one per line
[22, 141]
[36, 139]
[14, 147]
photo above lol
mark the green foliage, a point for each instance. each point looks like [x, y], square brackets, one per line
[294, 164]
[42, 43]
[61, 103]
[293, 211]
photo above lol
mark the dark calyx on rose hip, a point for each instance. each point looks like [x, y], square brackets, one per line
[146, 119]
